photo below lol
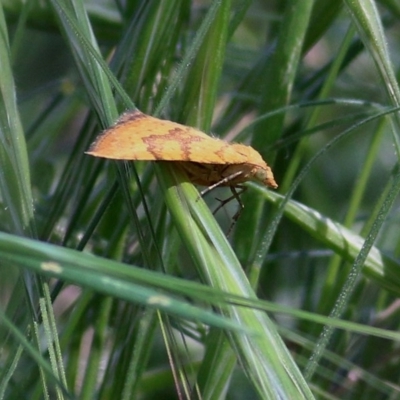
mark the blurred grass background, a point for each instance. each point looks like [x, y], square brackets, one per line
[158, 313]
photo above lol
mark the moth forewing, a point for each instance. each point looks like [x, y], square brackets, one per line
[137, 136]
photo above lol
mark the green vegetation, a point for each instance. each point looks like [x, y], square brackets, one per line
[117, 281]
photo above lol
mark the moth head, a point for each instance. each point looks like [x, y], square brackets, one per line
[265, 176]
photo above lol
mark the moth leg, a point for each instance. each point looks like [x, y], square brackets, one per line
[219, 183]
[235, 195]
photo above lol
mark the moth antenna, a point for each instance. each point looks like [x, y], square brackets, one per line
[221, 182]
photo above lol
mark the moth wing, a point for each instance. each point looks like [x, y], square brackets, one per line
[137, 136]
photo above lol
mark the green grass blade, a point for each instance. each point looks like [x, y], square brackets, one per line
[15, 189]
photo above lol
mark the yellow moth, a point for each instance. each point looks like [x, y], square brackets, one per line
[207, 161]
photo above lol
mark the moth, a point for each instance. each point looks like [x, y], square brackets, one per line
[207, 161]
